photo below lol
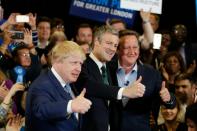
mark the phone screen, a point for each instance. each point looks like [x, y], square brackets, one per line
[157, 41]
[17, 35]
[22, 18]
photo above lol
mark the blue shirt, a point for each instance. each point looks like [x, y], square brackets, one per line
[126, 79]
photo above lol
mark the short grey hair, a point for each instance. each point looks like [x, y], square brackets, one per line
[100, 31]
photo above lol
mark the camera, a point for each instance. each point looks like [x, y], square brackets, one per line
[17, 35]
[22, 18]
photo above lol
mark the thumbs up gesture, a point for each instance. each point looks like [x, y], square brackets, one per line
[164, 93]
[135, 90]
[80, 104]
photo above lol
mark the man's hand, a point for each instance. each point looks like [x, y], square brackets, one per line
[134, 90]
[164, 93]
[32, 20]
[28, 38]
[80, 104]
[145, 15]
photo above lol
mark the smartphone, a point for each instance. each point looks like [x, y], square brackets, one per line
[22, 18]
[157, 41]
[17, 35]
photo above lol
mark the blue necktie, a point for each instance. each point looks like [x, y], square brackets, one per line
[67, 88]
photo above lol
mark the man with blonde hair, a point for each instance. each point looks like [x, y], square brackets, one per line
[51, 102]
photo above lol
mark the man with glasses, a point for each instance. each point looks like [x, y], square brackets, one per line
[29, 62]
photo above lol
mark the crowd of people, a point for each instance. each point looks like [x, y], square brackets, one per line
[107, 78]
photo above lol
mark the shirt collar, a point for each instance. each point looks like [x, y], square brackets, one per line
[59, 78]
[93, 57]
[134, 68]
[42, 46]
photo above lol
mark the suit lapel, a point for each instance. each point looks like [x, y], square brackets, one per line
[93, 69]
[58, 86]
[66, 96]
[108, 74]
[95, 73]
[113, 67]
[139, 71]
[74, 89]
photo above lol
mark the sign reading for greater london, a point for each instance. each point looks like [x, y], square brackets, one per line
[101, 10]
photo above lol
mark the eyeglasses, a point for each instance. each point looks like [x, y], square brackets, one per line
[25, 54]
[60, 26]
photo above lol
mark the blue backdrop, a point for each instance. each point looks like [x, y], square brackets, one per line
[100, 10]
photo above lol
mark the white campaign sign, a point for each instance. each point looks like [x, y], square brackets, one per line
[154, 5]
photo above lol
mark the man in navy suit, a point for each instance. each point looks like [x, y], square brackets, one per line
[99, 90]
[51, 103]
[133, 114]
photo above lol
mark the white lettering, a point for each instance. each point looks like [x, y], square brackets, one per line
[121, 13]
[97, 8]
[78, 3]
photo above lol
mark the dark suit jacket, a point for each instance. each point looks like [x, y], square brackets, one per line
[97, 118]
[135, 115]
[188, 48]
[46, 106]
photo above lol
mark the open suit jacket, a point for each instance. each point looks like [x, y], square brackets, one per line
[97, 118]
[135, 115]
[46, 106]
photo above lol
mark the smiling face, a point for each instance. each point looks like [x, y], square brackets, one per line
[105, 47]
[23, 57]
[169, 114]
[183, 90]
[180, 32]
[129, 50]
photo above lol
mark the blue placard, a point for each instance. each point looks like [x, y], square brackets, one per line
[101, 10]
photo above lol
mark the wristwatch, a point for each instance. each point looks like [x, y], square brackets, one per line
[146, 21]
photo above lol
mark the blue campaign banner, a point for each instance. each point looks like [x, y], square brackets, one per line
[101, 10]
